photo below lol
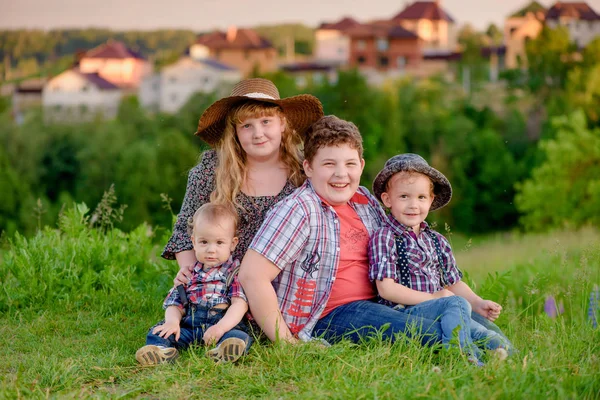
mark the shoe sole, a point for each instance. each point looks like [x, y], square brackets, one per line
[230, 350]
[154, 355]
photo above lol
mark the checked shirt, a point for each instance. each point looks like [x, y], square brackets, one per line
[301, 236]
[209, 288]
[421, 269]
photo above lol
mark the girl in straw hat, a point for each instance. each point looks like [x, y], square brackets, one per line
[256, 161]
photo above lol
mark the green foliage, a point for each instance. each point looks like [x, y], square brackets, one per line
[78, 265]
[79, 338]
[565, 188]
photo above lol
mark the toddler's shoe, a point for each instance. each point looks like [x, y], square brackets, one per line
[154, 355]
[229, 350]
[500, 353]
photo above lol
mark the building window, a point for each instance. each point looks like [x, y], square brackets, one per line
[383, 61]
[382, 44]
[361, 59]
[401, 62]
[361, 45]
[173, 98]
[85, 88]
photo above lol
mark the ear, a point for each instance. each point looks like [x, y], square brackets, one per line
[307, 168]
[362, 165]
[193, 240]
[385, 198]
[283, 123]
[234, 243]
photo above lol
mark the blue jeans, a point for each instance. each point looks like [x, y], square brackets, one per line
[359, 319]
[451, 312]
[193, 325]
[486, 334]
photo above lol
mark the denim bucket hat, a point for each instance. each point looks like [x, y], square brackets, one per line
[414, 163]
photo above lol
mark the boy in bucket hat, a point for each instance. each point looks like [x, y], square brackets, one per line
[413, 266]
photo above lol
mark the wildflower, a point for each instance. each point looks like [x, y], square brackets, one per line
[551, 308]
[593, 307]
[436, 369]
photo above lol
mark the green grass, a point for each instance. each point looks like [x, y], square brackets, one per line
[76, 303]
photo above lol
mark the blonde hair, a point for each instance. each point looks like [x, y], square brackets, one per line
[231, 170]
[213, 214]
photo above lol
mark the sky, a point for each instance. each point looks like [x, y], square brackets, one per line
[204, 15]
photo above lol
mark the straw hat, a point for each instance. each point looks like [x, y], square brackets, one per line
[300, 111]
[414, 163]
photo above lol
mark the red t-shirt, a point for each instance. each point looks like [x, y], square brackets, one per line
[352, 278]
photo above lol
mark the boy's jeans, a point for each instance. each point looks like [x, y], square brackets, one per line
[487, 334]
[193, 325]
[451, 312]
[360, 319]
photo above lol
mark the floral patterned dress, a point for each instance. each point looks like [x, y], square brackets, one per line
[201, 183]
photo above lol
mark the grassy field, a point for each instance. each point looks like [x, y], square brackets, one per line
[76, 303]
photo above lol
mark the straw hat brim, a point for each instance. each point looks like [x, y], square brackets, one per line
[300, 111]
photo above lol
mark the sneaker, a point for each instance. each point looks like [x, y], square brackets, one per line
[500, 353]
[229, 350]
[154, 355]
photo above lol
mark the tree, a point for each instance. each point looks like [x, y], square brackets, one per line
[565, 189]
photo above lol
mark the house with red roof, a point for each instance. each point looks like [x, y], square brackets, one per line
[383, 47]
[429, 21]
[243, 49]
[116, 63]
[332, 43]
[77, 96]
[582, 21]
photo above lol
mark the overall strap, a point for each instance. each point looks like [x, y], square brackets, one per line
[438, 250]
[232, 274]
[402, 262]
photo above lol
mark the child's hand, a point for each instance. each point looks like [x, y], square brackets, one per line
[442, 293]
[213, 334]
[167, 329]
[489, 309]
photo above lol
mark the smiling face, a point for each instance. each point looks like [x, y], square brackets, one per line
[409, 197]
[260, 136]
[213, 241]
[335, 172]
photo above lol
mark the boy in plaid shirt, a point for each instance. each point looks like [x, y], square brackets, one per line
[413, 266]
[210, 311]
[306, 270]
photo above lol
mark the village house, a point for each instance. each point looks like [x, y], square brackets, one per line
[243, 49]
[177, 83]
[429, 21]
[519, 28]
[77, 96]
[332, 43]
[579, 18]
[384, 47]
[116, 63]
[25, 96]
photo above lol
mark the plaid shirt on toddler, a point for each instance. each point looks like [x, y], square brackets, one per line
[421, 267]
[209, 288]
[301, 236]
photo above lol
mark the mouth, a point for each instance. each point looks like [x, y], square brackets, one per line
[339, 185]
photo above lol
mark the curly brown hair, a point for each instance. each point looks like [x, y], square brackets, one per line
[331, 131]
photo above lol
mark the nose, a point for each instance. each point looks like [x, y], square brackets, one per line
[340, 171]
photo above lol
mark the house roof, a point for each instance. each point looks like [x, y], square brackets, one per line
[234, 38]
[424, 10]
[98, 81]
[579, 10]
[381, 30]
[533, 7]
[342, 25]
[113, 49]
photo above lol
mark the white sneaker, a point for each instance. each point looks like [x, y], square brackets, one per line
[229, 350]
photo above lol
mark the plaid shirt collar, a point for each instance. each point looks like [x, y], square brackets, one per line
[400, 229]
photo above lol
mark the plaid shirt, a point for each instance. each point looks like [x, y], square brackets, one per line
[424, 268]
[209, 288]
[301, 236]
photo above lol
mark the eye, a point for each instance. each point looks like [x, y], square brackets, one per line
[403, 196]
[220, 242]
[266, 121]
[203, 242]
